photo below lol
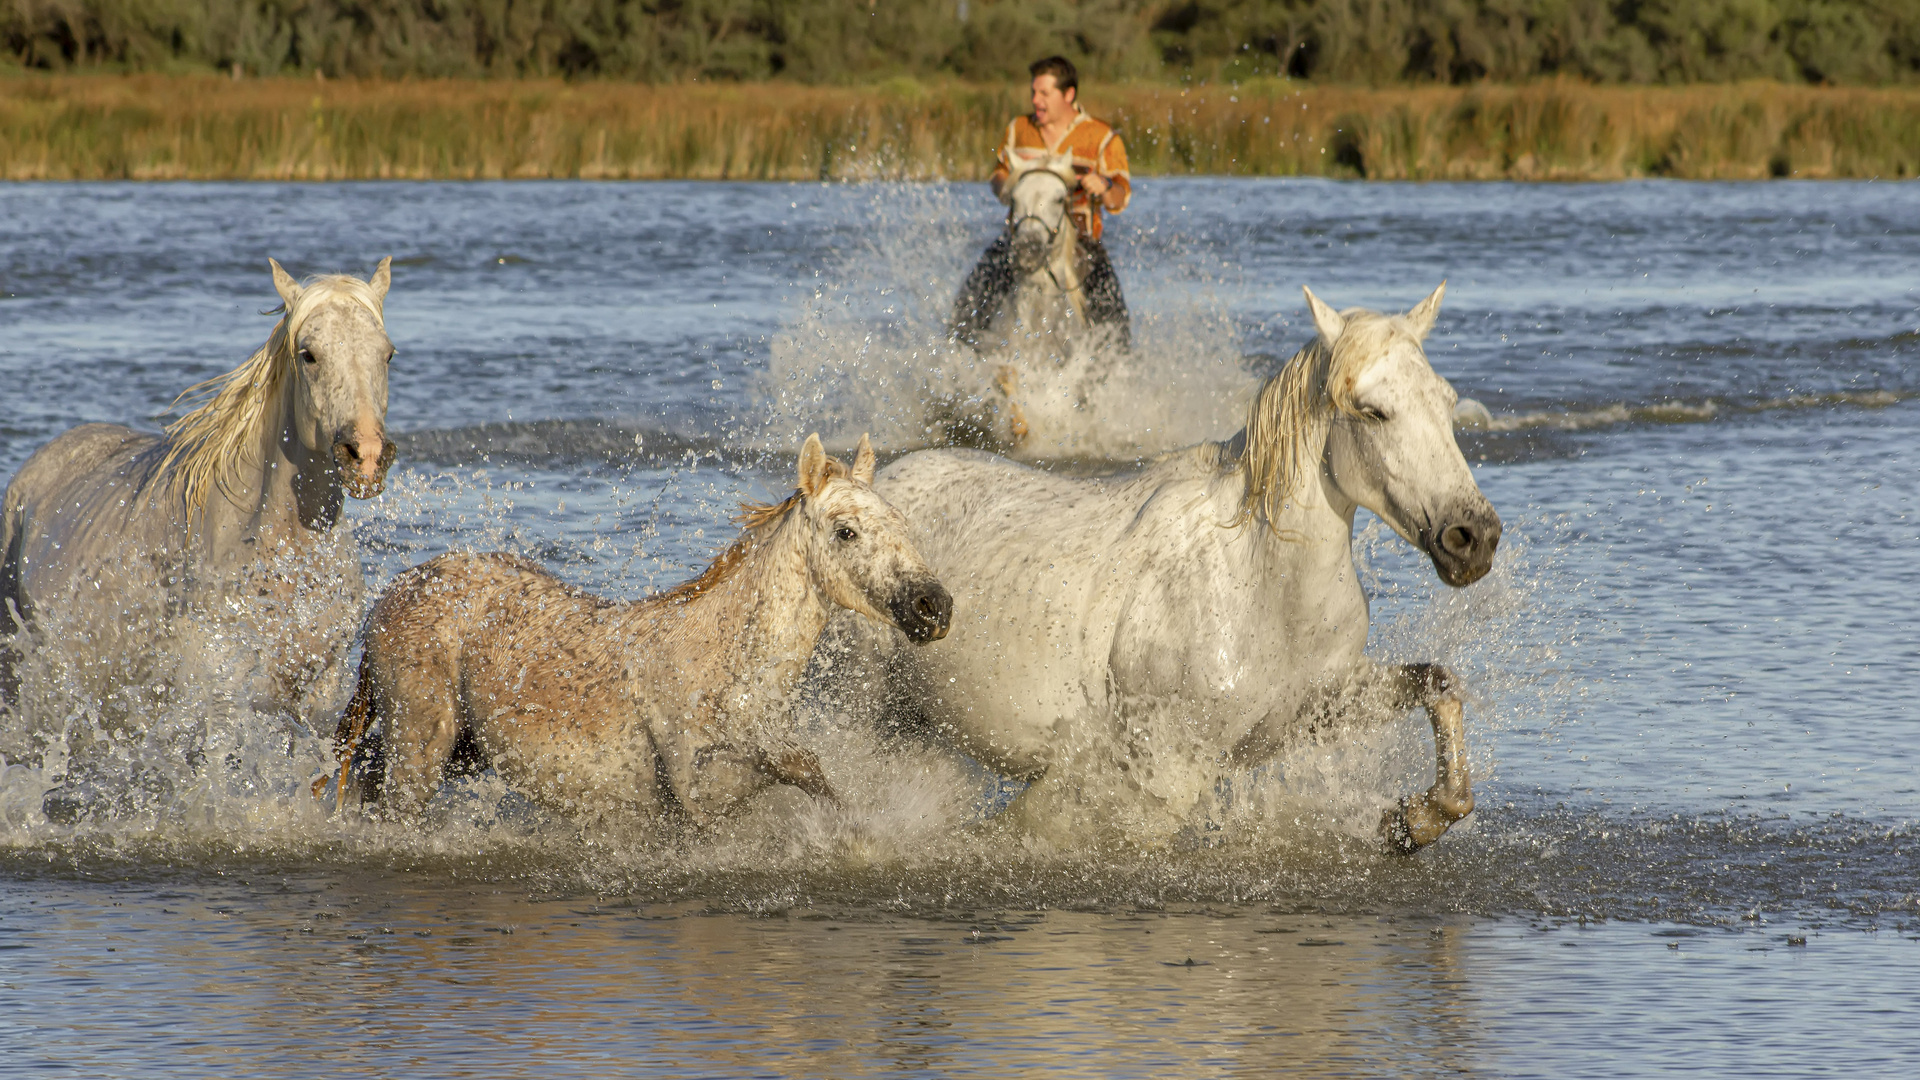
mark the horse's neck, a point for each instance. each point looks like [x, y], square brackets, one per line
[282, 494]
[767, 614]
[1310, 538]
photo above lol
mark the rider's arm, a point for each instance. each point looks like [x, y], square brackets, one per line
[1113, 169]
[1004, 155]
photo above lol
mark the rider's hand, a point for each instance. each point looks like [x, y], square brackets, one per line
[1094, 184]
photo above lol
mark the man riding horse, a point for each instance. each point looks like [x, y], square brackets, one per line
[1057, 126]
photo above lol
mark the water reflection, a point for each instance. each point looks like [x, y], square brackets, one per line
[386, 976]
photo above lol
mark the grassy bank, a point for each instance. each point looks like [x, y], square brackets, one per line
[201, 127]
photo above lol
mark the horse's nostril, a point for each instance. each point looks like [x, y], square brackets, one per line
[1457, 539]
[923, 612]
[935, 608]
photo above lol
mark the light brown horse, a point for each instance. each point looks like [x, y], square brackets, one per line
[604, 709]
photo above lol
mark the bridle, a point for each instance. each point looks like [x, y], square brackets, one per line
[1053, 231]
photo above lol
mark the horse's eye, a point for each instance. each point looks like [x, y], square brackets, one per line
[306, 356]
[846, 534]
[1372, 413]
[391, 353]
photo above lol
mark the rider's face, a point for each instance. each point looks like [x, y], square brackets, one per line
[1050, 103]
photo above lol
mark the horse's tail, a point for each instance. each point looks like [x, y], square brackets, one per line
[349, 735]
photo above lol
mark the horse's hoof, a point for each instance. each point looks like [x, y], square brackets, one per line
[1418, 820]
[1395, 831]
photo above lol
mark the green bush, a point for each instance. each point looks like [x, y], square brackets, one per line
[828, 41]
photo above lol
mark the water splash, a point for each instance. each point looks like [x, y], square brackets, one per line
[865, 346]
[624, 509]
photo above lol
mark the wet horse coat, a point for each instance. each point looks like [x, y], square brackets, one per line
[137, 560]
[603, 709]
[1125, 642]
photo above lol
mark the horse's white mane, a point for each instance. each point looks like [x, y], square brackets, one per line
[205, 445]
[1291, 407]
[1027, 160]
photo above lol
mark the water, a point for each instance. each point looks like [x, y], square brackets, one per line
[1686, 673]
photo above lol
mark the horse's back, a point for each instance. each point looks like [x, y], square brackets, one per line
[500, 626]
[973, 507]
[445, 598]
[69, 473]
[944, 489]
[69, 460]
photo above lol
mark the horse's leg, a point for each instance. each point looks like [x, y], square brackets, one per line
[1419, 820]
[347, 736]
[800, 768]
[1007, 379]
[710, 778]
[421, 709]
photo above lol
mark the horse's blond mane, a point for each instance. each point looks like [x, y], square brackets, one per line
[756, 521]
[1293, 405]
[206, 444]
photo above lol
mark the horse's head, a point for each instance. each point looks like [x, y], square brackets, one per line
[859, 551]
[1038, 189]
[336, 334]
[1390, 444]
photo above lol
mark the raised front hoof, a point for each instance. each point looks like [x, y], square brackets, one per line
[1418, 820]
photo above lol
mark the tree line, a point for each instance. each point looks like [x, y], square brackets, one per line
[1853, 42]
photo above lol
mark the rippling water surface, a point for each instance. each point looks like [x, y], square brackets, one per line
[1691, 727]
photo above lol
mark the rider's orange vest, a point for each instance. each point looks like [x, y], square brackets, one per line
[1096, 149]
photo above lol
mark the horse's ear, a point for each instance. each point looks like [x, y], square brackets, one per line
[1420, 319]
[863, 461]
[382, 277]
[813, 465]
[284, 284]
[1325, 319]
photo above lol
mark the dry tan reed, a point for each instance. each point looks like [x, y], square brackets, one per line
[204, 128]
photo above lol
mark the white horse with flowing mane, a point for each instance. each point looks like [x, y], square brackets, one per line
[1124, 643]
[129, 554]
[1040, 314]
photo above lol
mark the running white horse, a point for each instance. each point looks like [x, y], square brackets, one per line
[129, 554]
[1124, 643]
[1045, 321]
[606, 709]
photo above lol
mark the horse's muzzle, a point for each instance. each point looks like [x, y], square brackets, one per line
[1461, 544]
[922, 610]
[1030, 247]
[355, 477]
[1027, 264]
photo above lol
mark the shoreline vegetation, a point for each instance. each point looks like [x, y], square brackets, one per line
[210, 127]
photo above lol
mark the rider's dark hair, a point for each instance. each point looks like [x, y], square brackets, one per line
[1065, 78]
